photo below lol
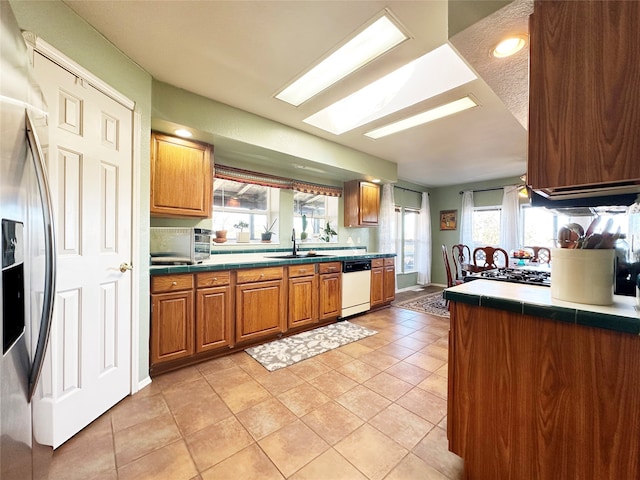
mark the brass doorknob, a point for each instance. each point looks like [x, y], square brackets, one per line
[125, 266]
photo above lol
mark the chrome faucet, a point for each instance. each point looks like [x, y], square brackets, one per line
[293, 239]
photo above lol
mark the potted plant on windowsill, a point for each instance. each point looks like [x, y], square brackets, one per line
[327, 233]
[268, 232]
[303, 233]
[242, 236]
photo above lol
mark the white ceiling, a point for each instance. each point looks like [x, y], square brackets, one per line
[242, 53]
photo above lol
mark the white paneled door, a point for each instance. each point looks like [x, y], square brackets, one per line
[89, 160]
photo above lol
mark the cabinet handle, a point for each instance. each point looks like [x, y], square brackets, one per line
[174, 283]
[215, 279]
[262, 275]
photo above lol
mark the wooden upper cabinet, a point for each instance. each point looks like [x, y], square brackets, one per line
[361, 204]
[181, 177]
[584, 97]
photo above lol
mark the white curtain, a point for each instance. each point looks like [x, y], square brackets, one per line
[423, 242]
[387, 231]
[466, 219]
[510, 219]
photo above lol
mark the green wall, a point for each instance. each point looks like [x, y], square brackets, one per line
[449, 198]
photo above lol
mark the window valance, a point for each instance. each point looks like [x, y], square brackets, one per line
[247, 176]
[316, 189]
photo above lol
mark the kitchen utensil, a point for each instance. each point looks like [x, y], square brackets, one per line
[567, 238]
[592, 226]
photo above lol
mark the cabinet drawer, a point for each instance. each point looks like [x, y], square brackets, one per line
[260, 274]
[171, 283]
[302, 270]
[388, 262]
[330, 267]
[212, 279]
[377, 262]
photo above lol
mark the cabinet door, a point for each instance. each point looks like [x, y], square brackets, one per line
[377, 286]
[171, 326]
[181, 177]
[584, 98]
[369, 204]
[361, 204]
[303, 301]
[330, 295]
[389, 284]
[213, 318]
[260, 310]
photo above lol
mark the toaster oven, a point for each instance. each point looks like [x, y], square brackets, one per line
[179, 246]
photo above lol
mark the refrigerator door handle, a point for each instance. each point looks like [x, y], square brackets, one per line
[50, 256]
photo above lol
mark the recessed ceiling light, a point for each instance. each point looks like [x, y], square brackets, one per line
[432, 74]
[376, 39]
[181, 132]
[424, 117]
[509, 46]
[376, 180]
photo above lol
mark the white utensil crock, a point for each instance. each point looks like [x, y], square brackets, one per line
[583, 275]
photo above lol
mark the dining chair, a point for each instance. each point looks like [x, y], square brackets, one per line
[461, 255]
[487, 258]
[451, 282]
[540, 254]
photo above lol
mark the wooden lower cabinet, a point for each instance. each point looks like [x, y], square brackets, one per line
[172, 318]
[213, 318]
[214, 314]
[330, 289]
[532, 398]
[389, 281]
[198, 316]
[303, 296]
[377, 285]
[260, 303]
[383, 281]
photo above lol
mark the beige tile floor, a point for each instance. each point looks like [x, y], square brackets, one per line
[374, 409]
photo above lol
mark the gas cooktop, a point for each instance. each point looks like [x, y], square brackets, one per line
[515, 275]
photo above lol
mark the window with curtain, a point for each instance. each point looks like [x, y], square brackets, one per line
[486, 226]
[406, 237]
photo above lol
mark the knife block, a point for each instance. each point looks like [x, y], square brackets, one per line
[583, 275]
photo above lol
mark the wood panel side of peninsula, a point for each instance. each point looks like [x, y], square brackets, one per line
[532, 398]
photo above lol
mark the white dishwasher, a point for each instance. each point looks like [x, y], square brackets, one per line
[356, 287]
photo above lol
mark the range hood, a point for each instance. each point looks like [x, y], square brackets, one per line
[579, 206]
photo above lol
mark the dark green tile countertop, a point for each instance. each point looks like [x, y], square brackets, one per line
[264, 258]
[621, 316]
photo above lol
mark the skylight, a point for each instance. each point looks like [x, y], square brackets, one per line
[432, 74]
[421, 118]
[378, 38]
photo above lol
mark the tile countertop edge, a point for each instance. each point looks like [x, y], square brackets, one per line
[258, 260]
[621, 316]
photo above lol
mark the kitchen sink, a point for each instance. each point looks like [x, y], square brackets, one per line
[300, 255]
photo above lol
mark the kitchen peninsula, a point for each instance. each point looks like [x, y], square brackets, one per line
[541, 388]
[236, 300]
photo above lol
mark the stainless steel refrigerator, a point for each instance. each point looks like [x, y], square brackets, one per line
[27, 283]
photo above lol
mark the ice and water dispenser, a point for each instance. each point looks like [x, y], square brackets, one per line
[13, 306]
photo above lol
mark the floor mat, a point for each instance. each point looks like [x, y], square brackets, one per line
[287, 351]
[432, 303]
